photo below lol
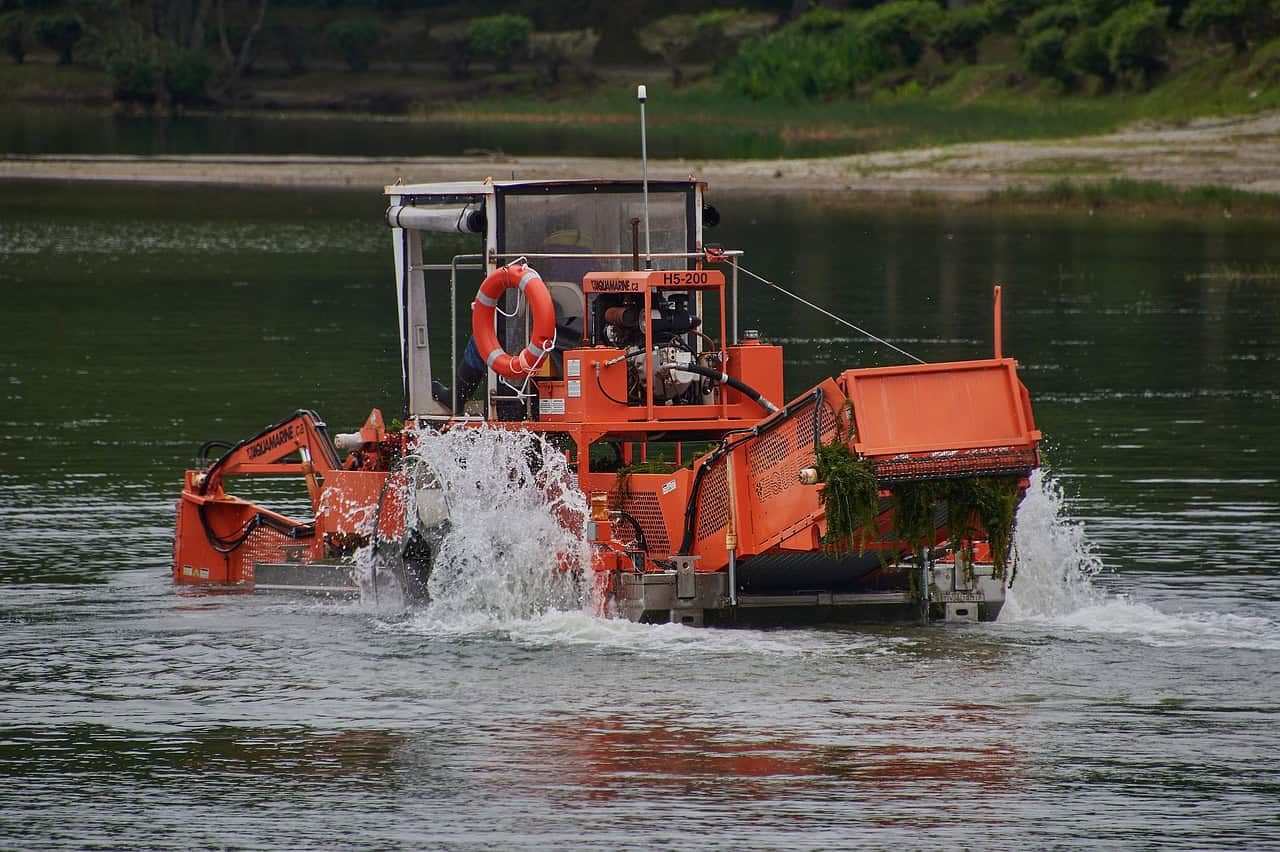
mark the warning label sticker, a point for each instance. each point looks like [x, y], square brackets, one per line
[554, 405]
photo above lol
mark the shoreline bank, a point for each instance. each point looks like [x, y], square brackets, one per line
[1238, 153]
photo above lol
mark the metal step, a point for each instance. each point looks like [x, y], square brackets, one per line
[314, 578]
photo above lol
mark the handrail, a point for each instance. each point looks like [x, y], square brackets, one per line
[673, 255]
[478, 261]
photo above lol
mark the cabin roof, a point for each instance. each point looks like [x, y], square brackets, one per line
[487, 187]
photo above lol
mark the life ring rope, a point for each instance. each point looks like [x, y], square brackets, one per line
[533, 289]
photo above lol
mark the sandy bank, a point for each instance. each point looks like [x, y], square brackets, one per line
[1240, 152]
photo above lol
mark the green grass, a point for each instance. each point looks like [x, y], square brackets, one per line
[931, 106]
[1067, 166]
[699, 121]
[1123, 193]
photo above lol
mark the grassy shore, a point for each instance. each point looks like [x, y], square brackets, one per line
[1122, 195]
[972, 104]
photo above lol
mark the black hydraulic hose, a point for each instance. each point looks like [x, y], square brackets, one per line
[331, 455]
[202, 454]
[607, 395]
[226, 544]
[725, 378]
[819, 404]
[640, 540]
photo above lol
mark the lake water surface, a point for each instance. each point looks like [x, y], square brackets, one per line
[1138, 707]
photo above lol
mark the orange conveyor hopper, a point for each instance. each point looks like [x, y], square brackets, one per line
[926, 421]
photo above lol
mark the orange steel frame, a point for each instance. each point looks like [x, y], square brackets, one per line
[989, 423]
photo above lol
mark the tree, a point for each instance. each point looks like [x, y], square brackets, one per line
[1086, 53]
[717, 34]
[1137, 42]
[1061, 16]
[1044, 54]
[501, 38]
[236, 61]
[59, 33]
[452, 39]
[720, 32]
[1096, 11]
[132, 79]
[670, 39]
[354, 38]
[1005, 15]
[1234, 21]
[186, 75]
[960, 32]
[149, 46]
[553, 52]
[288, 40]
[821, 54]
[15, 35]
[904, 27]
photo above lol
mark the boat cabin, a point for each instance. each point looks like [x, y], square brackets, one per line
[645, 308]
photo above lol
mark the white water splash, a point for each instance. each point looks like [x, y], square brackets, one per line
[1054, 588]
[583, 631]
[1056, 562]
[517, 529]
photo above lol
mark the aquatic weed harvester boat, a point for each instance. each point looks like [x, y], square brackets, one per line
[879, 493]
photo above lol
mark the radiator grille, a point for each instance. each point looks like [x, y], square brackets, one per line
[263, 545]
[776, 459]
[713, 500]
[644, 507]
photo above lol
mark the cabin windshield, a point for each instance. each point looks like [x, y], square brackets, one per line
[592, 224]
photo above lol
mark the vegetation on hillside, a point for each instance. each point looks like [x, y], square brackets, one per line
[1179, 56]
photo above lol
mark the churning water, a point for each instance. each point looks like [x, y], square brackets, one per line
[1129, 695]
[516, 542]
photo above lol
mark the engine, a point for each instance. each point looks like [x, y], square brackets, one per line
[618, 320]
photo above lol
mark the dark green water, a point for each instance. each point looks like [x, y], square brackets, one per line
[36, 131]
[1135, 709]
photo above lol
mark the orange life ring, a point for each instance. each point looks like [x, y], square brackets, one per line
[544, 320]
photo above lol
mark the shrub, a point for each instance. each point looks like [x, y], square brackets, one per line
[187, 74]
[354, 38]
[1236, 22]
[553, 52]
[289, 40]
[15, 35]
[132, 78]
[1063, 17]
[1096, 11]
[904, 27]
[818, 55]
[1265, 65]
[500, 38]
[716, 34]
[452, 38]
[59, 33]
[722, 31]
[1087, 53]
[670, 38]
[1044, 54]
[1137, 42]
[960, 32]
[1004, 15]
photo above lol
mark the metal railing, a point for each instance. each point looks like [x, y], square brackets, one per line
[473, 262]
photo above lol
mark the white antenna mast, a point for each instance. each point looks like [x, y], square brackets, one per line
[642, 96]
